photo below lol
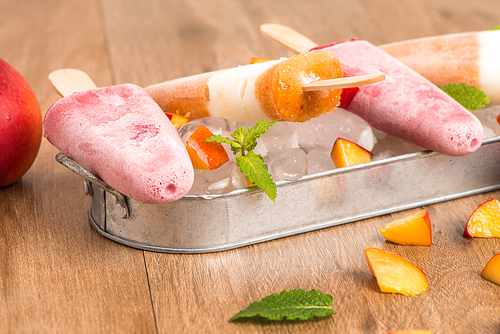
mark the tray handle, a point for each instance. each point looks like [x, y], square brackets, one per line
[72, 165]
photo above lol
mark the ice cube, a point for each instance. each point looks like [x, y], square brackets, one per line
[280, 138]
[321, 132]
[290, 165]
[389, 146]
[488, 118]
[319, 161]
[218, 126]
[222, 180]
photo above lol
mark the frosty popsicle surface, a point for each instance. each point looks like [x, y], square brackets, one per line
[406, 104]
[121, 134]
[472, 58]
[271, 90]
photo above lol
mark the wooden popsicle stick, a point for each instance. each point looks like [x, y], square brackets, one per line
[67, 81]
[297, 42]
[347, 82]
[287, 37]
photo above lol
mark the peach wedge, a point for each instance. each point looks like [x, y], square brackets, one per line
[207, 156]
[395, 274]
[484, 221]
[491, 271]
[347, 153]
[415, 230]
[176, 120]
[256, 60]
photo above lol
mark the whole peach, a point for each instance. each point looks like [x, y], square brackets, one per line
[20, 125]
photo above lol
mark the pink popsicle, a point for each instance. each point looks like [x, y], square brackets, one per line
[121, 134]
[406, 104]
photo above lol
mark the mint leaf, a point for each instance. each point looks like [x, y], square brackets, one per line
[468, 96]
[235, 146]
[252, 166]
[240, 135]
[256, 132]
[496, 28]
[295, 304]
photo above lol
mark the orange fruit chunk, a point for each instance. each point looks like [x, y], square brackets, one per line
[256, 60]
[395, 274]
[207, 156]
[484, 221]
[491, 271]
[176, 119]
[347, 153]
[415, 230]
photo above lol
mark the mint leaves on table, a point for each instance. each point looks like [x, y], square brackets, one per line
[468, 96]
[295, 304]
[251, 164]
[496, 28]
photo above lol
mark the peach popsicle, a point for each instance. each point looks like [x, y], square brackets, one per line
[270, 90]
[472, 58]
[406, 104]
[120, 134]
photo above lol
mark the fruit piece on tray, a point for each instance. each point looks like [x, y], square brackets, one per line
[270, 90]
[176, 120]
[484, 222]
[120, 134]
[347, 153]
[469, 57]
[395, 274]
[491, 271]
[205, 155]
[256, 60]
[415, 230]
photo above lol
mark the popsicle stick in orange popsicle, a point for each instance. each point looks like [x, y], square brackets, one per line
[407, 105]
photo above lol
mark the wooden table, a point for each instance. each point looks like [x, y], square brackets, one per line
[58, 275]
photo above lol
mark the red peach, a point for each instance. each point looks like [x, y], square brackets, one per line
[20, 125]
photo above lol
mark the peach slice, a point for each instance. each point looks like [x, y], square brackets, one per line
[347, 153]
[415, 230]
[484, 221]
[255, 60]
[207, 156]
[411, 331]
[395, 274]
[176, 119]
[491, 271]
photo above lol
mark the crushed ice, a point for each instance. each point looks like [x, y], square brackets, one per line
[292, 150]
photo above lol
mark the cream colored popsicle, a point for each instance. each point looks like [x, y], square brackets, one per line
[264, 91]
[472, 58]
[120, 134]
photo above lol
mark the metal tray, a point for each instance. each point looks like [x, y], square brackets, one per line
[202, 224]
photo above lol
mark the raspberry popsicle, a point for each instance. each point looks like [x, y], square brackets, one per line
[406, 104]
[264, 91]
[121, 134]
[472, 58]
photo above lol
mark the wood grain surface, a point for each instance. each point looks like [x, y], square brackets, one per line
[58, 275]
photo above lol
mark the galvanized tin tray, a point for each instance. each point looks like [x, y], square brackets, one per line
[198, 224]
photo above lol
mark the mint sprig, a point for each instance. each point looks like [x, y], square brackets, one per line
[292, 305]
[251, 165]
[468, 96]
[496, 28]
